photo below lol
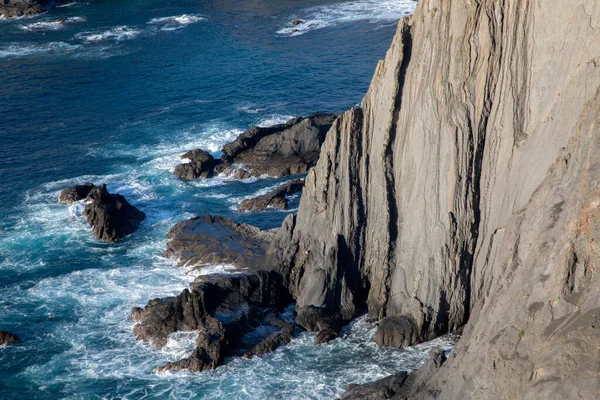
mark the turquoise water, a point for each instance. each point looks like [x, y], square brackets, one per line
[114, 95]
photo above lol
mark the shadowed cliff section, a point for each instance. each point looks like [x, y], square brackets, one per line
[464, 189]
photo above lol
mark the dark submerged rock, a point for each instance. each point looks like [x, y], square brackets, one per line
[20, 8]
[400, 386]
[325, 323]
[274, 199]
[325, 335]
[216, 240]
[398, 332]
[297, 22]
[110, 215]
[7, 339]
[75, 193]
[201, 165]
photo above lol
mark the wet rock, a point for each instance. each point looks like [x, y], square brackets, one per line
[280, 150]
[272, 342]
[216, 240]
[201, 165]
[274, 199]
[325, 335]
[75, 193]
[398, 332]
[110, 215]
[232, 171]
[223, 309]
[297, 22]
[7, 339]
[400, 386]
[20, 8]
[315, 319]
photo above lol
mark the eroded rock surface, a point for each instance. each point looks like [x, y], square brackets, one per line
[216, 240]
[280, 150]
[276, 198]
[20, 8]
[223, 309]
[75, 193]
[464, 190]
[110, 215]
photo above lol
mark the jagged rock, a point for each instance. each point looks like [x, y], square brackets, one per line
[274, 199]
[201, 165]
[464, 189]
[325, 336]
[221, 308]
[400, 386]
[272, 342]
[216, 240]
[20, 8]
[396, 332]
[313, 319]
[297, 22]
[75, 193]
[7, 339]
[110, 215]
[233, 171]
[280, 150]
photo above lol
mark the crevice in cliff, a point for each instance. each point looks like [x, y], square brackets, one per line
[390, 179]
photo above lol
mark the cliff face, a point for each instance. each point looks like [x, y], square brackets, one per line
[464, 189]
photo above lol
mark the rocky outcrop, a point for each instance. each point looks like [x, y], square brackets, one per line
[7, 339]
[277, 198]
[20, 8]
[110, 215]
[400, 386]
[216, 240]
[464, 190]
[279, 150]
[75, 193]
[201, 165]
[223, 309]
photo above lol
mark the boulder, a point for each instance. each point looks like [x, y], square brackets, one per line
[216, 240]
[75, 193]
[201, 165]
[297, 22]
[7, 339]
[274, 199]
[398, 332]
[325, 335]
[20, 8]
[110, 215]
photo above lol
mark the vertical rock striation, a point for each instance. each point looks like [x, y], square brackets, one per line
[464, 189]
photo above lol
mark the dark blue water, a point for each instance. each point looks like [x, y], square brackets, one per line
[114, 94]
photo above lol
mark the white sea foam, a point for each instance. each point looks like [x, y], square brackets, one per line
[22, 49]
[346, 12]
[53, 25]
[71, 4]
[176, 22]
[274, 119]
[118, 34]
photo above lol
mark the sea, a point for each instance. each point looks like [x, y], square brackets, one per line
[113, 92]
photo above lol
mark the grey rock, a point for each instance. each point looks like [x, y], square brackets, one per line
[276, 198]
[75, 193]
[400, 386]
[201, 165]
[325, 336]
[396, 332]
[280, 150]
[110, 215]
[7, 339]
[464, 191]
[297, 22]
[20, 8]
[216, 240]
[222, 308]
